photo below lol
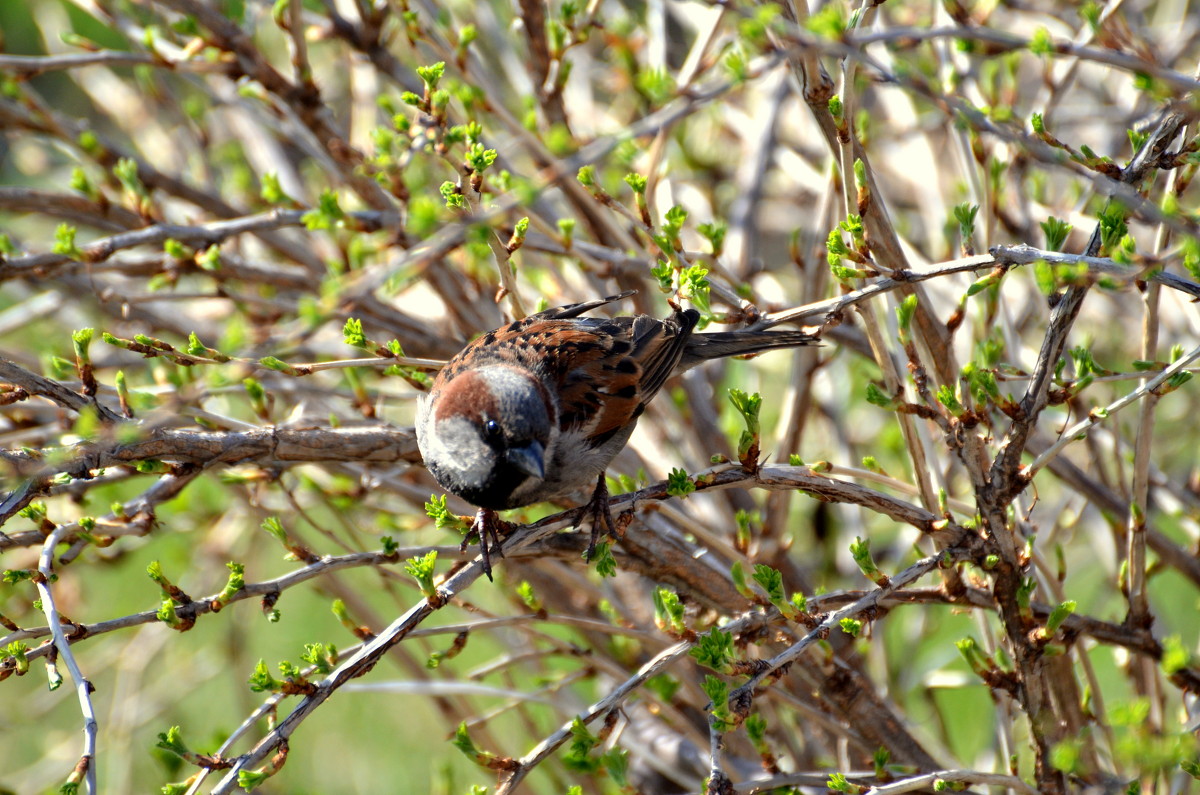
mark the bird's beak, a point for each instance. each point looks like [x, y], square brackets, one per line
[528, 458]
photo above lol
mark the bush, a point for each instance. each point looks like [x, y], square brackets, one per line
[953, 546]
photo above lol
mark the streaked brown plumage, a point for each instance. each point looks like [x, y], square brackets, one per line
[537, 409]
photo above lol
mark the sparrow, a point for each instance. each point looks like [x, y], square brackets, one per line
[537, 409]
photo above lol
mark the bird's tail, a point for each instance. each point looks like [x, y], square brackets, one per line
[715, 345]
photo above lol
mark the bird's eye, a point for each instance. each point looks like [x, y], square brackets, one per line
[491, 430]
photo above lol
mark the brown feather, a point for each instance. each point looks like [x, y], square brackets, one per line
[603, 371]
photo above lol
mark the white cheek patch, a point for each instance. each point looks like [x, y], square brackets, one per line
[457, 446]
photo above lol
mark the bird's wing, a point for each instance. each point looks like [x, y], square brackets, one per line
[604, 371]
[608, 370]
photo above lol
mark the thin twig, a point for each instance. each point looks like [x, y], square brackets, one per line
[62, 646]
[1080, 429]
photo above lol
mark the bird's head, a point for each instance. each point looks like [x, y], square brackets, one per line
[485, 432]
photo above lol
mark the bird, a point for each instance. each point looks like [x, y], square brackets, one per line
[537, 409]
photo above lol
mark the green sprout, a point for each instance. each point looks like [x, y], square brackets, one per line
[851, 626]
[718, 694]
[748, 405]
[235, 583]
[272, 192]
[965, 215]
[279, 366]
[664, 272]
[422, 570]
[656, 84]
[442, 516]
[737, 574]
[1041, 44]
[520, 229]
[838, 783]
[526, 593]
[64, 242]
[1056, 232]
[679, 484]
[81, 339]
[452, 196]
[81, 184]
[673, 220]
[668, 612]
[771, 581]
[606, 564]
[694, 287]
[714, 649]
[860, 549]
[1058, 615]
[261, 681]
[322, 656]
[946, 396]
[714, 233]
[352, 334]
[17, 651]
[737, 64]
[326, 215]
[126, 172]
[463, 742]
[480, 159]
[877, 397]
[257, 395]
[566, 227]
[432, 74]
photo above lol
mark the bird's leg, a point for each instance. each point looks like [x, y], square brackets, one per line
[487, 527]
[601, 513]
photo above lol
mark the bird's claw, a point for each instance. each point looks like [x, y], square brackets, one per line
[601, 514]
[486, 528]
